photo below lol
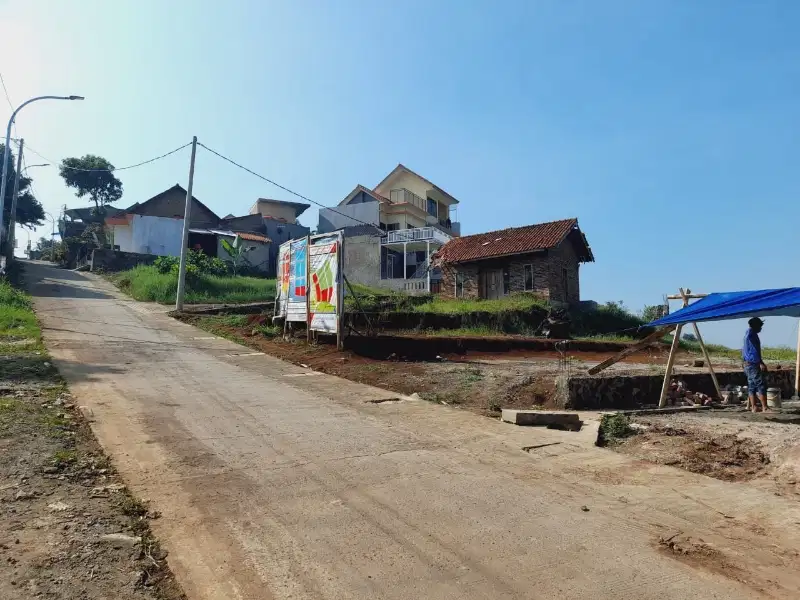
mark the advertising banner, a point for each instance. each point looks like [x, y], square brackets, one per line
[323, 284]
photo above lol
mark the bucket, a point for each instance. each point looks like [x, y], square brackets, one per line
[774, 397]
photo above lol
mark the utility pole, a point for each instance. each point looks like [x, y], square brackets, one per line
[12, 220]
[187, 213]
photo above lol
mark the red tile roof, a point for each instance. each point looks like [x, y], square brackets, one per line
[253, 237]
[516, 240]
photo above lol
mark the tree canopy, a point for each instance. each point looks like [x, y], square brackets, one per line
[92, 176]
[29, 210]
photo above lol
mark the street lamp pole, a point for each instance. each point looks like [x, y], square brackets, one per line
[7, 150]
[12, 218]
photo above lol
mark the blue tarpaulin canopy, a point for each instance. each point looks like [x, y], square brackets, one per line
[736, 305]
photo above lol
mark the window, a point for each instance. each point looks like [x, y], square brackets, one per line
[506, 281]
[432, 208]
[460, 284]
[528, 277]
[393, 227]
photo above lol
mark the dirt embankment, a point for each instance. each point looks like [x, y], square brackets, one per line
[69, 529]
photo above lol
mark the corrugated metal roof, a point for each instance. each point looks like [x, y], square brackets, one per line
[516, 240]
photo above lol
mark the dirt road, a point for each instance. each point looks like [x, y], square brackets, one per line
[279, 482]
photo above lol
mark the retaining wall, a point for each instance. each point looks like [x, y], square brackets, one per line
[631, 392]
[104, 259]
[428, 347]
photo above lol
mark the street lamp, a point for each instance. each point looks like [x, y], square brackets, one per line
[7, 150]
[12, 221]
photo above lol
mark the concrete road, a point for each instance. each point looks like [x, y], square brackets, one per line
[277, 482]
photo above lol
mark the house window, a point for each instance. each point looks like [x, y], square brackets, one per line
[432, 208]
[460, 284]
[528, 277]
[393, 227]
[506, 281]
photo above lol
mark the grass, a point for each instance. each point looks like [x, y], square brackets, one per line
[147, 284]
[767, 353]
[520, 302]
[19, 330]
[607, 338]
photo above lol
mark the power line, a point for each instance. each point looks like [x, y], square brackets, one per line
[5, 89]
[144, 162]
[284, 188]
[8, 99]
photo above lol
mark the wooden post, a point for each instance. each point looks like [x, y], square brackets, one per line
[797, 365]
[288, 293]
[340, 294]
[703, 348]
[308, 289]
[643, 343]
[662, 401]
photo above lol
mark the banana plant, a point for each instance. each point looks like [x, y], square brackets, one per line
[236, 251]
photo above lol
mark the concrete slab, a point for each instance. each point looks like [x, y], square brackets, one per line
[544, 418]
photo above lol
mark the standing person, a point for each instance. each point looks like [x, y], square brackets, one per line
[754, 367]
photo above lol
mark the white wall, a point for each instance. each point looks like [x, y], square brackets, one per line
[123, 237]
[161, 236]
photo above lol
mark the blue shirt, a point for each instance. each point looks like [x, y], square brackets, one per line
[751, 350]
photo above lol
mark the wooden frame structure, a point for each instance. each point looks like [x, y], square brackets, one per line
[685, 296]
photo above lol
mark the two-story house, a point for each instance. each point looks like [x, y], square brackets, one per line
[417, 218]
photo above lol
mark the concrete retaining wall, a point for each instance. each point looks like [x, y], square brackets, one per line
[599, 393]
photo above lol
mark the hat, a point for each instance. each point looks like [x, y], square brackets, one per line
[755, 321]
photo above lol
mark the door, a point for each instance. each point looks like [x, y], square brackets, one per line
[492, 281]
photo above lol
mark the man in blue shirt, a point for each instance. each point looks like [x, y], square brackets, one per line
[754, 367]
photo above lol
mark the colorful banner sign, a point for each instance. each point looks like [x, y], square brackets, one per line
[324, 282]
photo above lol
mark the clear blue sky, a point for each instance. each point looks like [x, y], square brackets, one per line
[669, 128]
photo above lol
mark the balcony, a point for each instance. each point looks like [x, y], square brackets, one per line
[421, 234]
[403, 196]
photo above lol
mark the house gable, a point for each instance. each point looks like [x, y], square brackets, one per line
[362, 195]
[403, 177]
[171, 203]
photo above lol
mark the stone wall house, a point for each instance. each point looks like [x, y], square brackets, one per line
[542, 259]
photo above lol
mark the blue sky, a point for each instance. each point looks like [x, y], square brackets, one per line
[669, 128]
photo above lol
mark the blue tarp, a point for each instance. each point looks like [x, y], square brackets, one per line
[736, 305]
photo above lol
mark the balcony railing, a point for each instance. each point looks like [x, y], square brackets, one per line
[421, 234]
[402, 195]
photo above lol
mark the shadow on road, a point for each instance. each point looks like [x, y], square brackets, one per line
[45, 280]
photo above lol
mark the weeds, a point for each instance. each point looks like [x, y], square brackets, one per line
[147, 284]
[62, 458]
[517, 302]
[613, 428]
[472, 375]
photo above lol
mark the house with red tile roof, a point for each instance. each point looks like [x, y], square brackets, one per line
[542, 259]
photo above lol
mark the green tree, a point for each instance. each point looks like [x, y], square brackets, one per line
[44, 243]
[29, 211]
[653, 312]
[92, 176]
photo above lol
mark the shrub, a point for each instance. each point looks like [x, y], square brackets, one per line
[197, 264]
[611, 317]
[613, 428]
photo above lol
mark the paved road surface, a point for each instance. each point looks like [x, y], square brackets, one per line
[276, 482]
